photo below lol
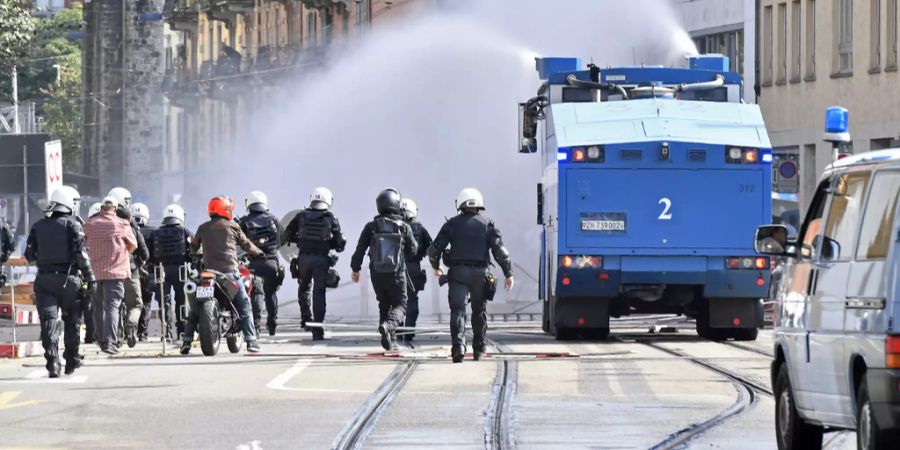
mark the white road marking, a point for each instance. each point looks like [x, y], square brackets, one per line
[40, 376]
[278, 383]
[252, 445]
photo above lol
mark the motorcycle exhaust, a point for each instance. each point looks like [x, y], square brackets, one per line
[190, 287]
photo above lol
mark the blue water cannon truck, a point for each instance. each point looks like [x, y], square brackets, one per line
[653, 179]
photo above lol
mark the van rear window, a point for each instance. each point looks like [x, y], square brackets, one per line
[878, 221]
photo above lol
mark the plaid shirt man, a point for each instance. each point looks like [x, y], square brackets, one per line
[110, 241]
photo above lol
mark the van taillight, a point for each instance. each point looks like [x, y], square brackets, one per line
[892, 352]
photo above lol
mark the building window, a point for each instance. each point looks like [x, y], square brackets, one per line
[730, 44]
[313, 29]
[782, 44]
[810, 40]
[796, 30]
[844, 37]
[891, 34]
[767, 46]
[875, 40]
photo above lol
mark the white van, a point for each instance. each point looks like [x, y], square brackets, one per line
[837, 336]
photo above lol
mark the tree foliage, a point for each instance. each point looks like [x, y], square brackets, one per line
[16, 32]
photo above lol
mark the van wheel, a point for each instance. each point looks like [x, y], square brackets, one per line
[869, 436]
[791, 431]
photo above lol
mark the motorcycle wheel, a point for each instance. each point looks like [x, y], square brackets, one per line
[234, 343]
[209, 328]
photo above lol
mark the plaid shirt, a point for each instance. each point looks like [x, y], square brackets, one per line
[109, 240]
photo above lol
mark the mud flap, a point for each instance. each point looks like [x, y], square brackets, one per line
[581, 312]
[735, 313]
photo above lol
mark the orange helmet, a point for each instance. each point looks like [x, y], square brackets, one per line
[221, 206]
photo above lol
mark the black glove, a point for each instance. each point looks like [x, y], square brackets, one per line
[91, 288]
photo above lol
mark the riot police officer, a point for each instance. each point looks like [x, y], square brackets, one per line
[171, 247]
[390, 243]
[316, 232]
[87, 310]
[471, 236]
[141, 214]
[7, 247]
[133, 301]
[56, 245]
[265, 232]
[414, 265]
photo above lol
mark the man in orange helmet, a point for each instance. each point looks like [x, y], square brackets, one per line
[219, 238]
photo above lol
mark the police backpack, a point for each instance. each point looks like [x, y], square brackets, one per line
[386, 248]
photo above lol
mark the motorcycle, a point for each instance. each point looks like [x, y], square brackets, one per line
[212, 292]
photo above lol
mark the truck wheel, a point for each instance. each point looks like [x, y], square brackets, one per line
[566, 334]
[791, 431]
[597, 334]
[545, 317]
[209, 328]
[745, 334]
[869, 436]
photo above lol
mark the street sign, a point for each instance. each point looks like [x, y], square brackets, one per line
[786, 174]
[54, 166]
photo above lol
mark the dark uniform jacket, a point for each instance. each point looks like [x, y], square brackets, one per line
[142, 254]
[410, 247]
[7, 246]
[472, 238]
[56, 243]
[315, 232]
[219, 239]
[170, 244]
[264, 230]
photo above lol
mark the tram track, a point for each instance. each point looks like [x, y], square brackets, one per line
[747, 392]
[498, 432]
[354, 434]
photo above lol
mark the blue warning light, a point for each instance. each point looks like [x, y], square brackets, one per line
[837, 120]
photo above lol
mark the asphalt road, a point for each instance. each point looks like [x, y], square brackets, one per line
[636, 390]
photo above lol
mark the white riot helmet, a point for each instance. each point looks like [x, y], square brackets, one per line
[77, 196]
[257, 199]
[61, 200]
[94, 209]
[141, 214]
[121, 195]
[321, 199]
[409, 208]
[469, 198]
[173, 215]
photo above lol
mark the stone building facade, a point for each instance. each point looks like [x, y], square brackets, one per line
[816, 53]
[170, 83]
[123, 110]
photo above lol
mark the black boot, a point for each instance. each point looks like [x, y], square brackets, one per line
[185, 348]
[271, 329]
[318, 335]
[457, 353]
[53, 366]
[72, 364]
[385, 335]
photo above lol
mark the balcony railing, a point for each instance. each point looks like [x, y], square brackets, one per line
[182, 15]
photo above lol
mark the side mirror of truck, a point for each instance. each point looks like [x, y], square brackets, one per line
[771, 240]
[527, 130]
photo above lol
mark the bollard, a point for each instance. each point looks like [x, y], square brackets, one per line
[163, 304]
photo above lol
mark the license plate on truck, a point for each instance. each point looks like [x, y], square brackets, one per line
[603, 222]
[205, 291]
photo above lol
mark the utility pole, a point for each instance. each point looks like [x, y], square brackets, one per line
[15, 93]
